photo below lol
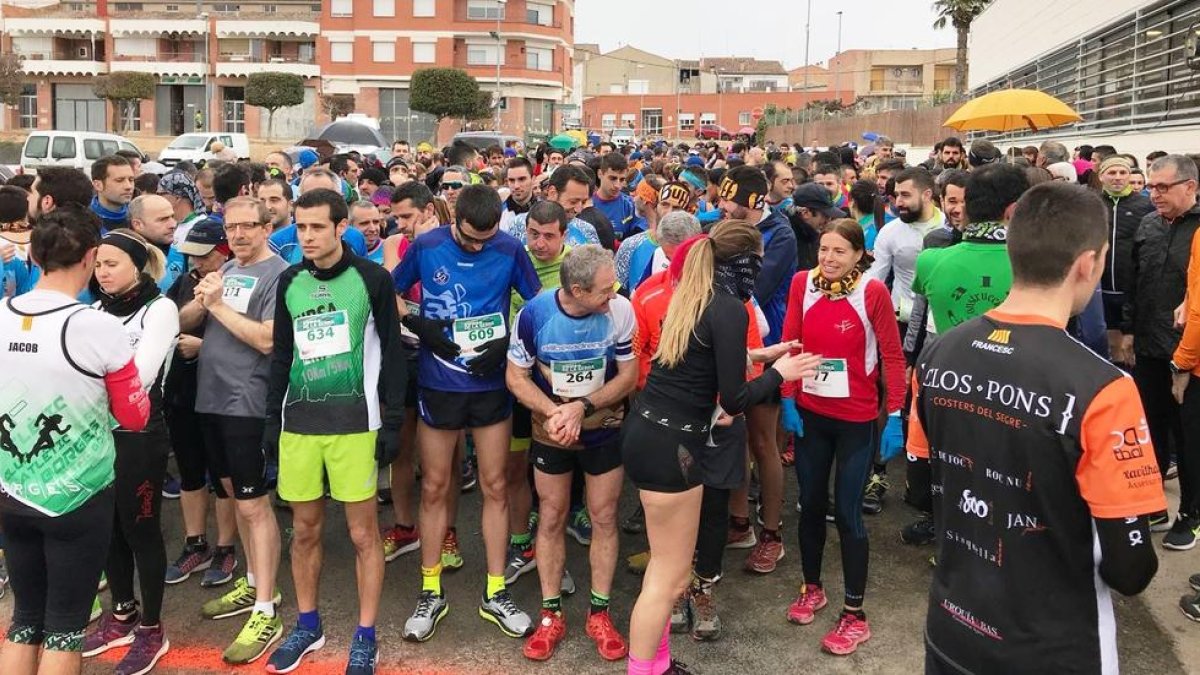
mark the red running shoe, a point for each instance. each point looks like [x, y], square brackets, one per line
[847, 635]
[608, 640]
[788, 456]
[550, 631]
[804, 609]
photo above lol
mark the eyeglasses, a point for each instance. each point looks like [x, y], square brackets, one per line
[1163, 187]
[249, 225]
[454, 185]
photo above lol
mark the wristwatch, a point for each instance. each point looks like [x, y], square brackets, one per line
[589, 408]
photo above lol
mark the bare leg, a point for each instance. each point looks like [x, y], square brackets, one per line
[264, 537]
[491, 449]
[672, 520]
[23, 659]
[762, 421]
[437, 454]
[403, 472]
[363, 522]
[554, 490]
[307, 522]
[603, 493]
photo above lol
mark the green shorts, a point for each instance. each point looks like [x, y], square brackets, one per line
[347, 459]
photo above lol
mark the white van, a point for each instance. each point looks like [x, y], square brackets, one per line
[76, 149]
[194, 147]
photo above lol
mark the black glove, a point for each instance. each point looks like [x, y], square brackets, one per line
[270, 439]
[491, 356]
[432, 334]
[387, 446]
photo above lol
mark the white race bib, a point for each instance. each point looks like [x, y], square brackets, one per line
[415, 310]
[478, 331]
[831, 380]
[575, 379]
[238, 290]
[322, 335]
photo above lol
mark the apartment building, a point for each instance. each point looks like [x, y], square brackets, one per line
[889, 79]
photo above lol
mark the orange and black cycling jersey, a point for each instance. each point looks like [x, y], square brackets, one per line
[1031, 439]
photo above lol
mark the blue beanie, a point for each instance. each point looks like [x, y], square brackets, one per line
[307, 158]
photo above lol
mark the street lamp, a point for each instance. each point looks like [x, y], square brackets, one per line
[499, 53]
[204, 79]
[837, 73]
[803, 111]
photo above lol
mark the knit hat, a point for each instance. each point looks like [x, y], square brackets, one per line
[1114, 160]
[307, 158]
[382, 196]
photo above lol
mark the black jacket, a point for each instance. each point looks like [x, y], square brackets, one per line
[1158, 282]
[1124, 215]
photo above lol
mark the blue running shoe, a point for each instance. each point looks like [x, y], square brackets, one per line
[291, 651]
[363, 657]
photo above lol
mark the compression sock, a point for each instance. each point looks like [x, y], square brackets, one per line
[431, 579]
[637, 666]
[521, 541]
[495, 584]
[365, 633]
[662, 658]
[599, 602]
[310, 621]
[553, 604]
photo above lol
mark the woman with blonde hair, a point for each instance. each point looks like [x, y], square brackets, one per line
[697, 381]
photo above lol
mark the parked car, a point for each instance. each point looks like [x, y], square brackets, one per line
[77, 149]
[622, 137]
[194, 147]
[713, 132]
[484, 139]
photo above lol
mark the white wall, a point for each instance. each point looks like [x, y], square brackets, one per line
[1011, 33]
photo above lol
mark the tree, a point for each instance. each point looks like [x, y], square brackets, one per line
[447, 92]
[124, 90]
[274, 91]
[337, 105]
[12, 78]
[960, 14]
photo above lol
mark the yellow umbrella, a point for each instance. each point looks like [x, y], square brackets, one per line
[579, 136]
[1010, 110]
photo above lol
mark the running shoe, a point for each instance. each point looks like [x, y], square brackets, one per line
[1160, 522]
[103, 585]
[192, 559]
[609, 643]
[149, 645]
[805, 608]
[502, 611]
[431, 609]
[97, 610]
[637, 562]
[872, 504]
[383, 496]
[737, 539]
[919, 532]
[567, 585]
[1172, 471]
[1194, 582]
[847, 635]
[580, 527]
[298, 643]
[240, 600]
[706, 624]
[1190, 606]
[550, 631]
[470, 477]
[364, 655]
[451, 555]
[257, 636]
[1182, 536]
[520, 561]
[788, 456]
[171, 487]
[677, 668]
[830, 512]
[636, 522]
[111, 633]
[220, 571]
[681, 616]
[765, 556]
[400, 540]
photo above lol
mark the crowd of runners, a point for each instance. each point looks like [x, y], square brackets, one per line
[546, 324]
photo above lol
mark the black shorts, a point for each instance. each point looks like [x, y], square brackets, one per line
[522, 428]
[595, 461]
[186, 429]
[458, 410]
[664, 459]
[411, 389]
[235, 451]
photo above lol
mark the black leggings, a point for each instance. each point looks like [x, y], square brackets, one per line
[1153, 379]
[54, 571]
[713, 533]
[187, 440]
[137, 539]
[826, 439]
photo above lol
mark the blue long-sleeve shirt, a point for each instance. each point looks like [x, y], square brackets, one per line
[621, 213]
[779, 266]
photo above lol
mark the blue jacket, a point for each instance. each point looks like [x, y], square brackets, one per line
[1089, 326]
[779, 266]
[621, 213]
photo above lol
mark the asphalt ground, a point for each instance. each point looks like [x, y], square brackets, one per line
[1153, 636]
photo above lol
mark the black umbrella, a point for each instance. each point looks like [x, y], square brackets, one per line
[347, 132]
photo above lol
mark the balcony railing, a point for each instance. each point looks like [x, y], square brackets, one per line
[263, 58]
[164, 57]
[64, 55]
[508, 17]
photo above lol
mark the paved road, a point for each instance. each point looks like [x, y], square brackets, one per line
[757, 639]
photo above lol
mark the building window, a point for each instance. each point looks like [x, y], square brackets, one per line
[28, 107]
[708, 118]
[638, 87]
[128, 7]
[235, 110]
[131, 116]
[538, 58]
[227, 8]
[608, 121]
[687, 121]
[483, 55]
[744, 118]
[383, 52]
[172, 8]
[424, 52]
[385, 8]
[542, 15]
[424, 7]
[484, 9]
[341, 52]
[341, 7]
[627, 120]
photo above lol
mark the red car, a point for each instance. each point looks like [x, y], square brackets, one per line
[713, 132]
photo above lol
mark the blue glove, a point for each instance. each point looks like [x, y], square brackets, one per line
[892, 442]
[791, 418]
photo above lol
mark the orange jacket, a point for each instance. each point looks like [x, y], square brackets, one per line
[1187, 353]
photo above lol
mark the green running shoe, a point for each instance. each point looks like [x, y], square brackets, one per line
[240, 600]
[257, 636]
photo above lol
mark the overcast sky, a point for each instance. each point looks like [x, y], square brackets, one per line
[764, 29]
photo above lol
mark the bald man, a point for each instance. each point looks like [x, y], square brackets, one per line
[153, 217]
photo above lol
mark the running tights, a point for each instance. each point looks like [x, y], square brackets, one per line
[849, 443]
[137, 541]
[713, 533]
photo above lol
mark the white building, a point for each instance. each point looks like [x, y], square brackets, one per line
[1124, 65]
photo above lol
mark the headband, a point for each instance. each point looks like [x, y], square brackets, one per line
[134, 248]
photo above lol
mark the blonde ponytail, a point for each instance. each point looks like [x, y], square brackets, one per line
[691, 298]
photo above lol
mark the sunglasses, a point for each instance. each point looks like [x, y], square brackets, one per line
[468, 239]
[453, 185]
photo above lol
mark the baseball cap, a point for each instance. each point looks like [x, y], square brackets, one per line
[396, 161]
[815, 197]
[307, 158]
[203, 238]
[676, 194]
[694, 160]
[982, 152]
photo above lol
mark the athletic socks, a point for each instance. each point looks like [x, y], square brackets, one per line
[196, 543]
[250, 580]
[431, 579]
[599, 602]
[662, 658]
[267, 608]
[310, 621]
[495, 584]
[365, 633]
[521, 541]
[638, 666]
[553, 604]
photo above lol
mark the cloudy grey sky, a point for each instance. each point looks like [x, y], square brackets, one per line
[764, 29]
